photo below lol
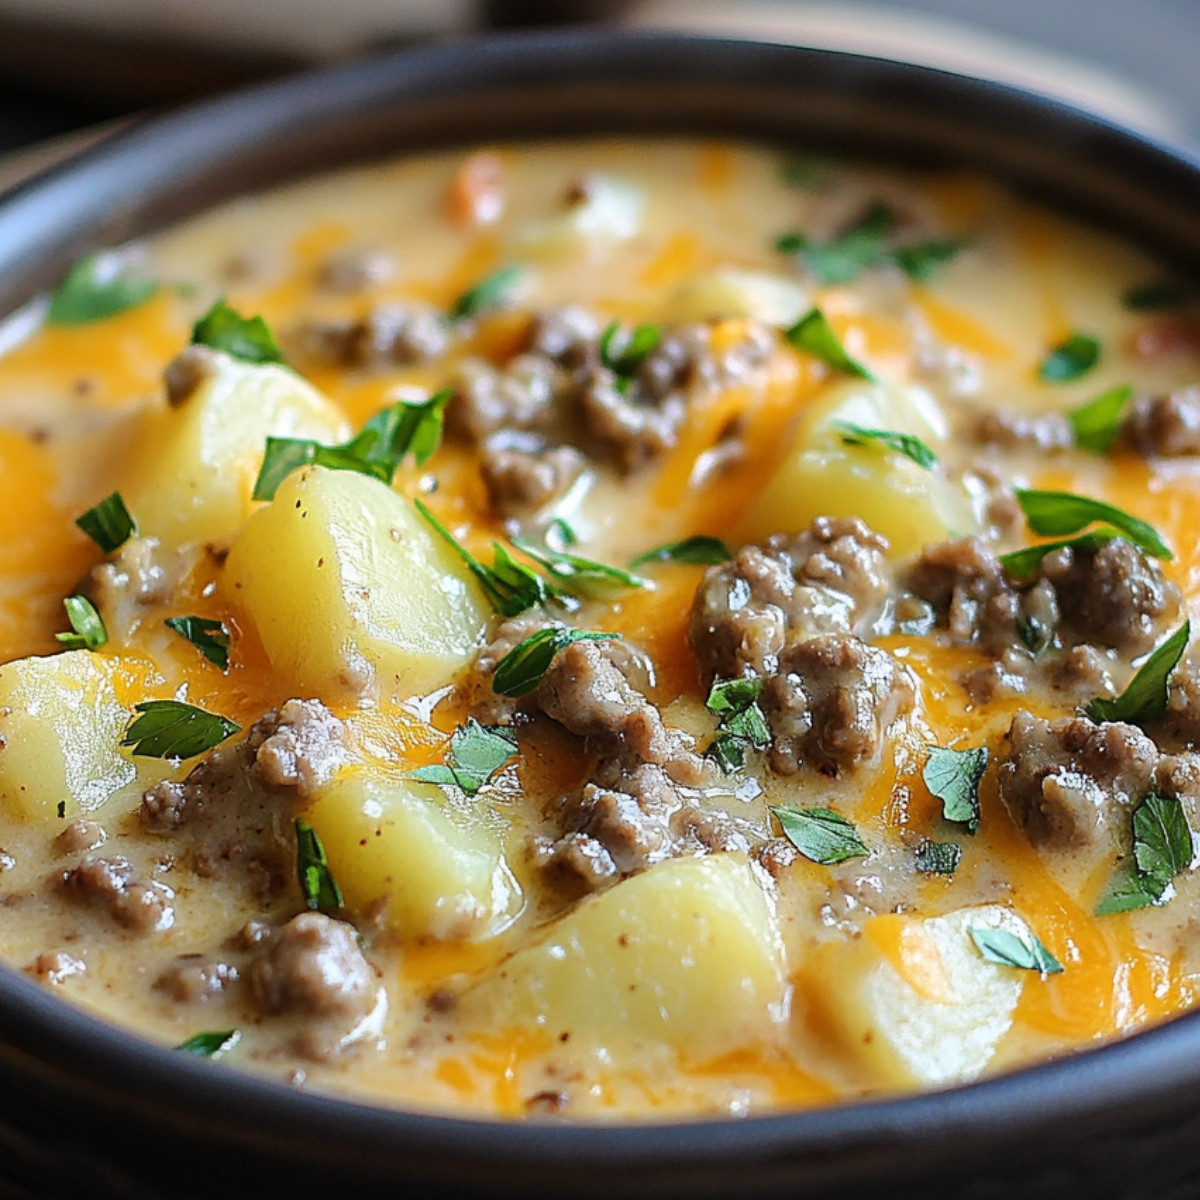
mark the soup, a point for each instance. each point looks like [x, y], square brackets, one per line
[609, 629]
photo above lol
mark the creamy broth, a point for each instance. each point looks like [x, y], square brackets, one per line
[620, 914]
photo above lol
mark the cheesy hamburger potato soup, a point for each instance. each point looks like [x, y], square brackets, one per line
[609, 630]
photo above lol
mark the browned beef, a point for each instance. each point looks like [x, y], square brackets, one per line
[137, 576]
[191, 367]
[354, 271]
[1044, 432]
[831, 702]
[80, 836]
[1164, 426]
[1181, 724]
[489, 400]
[390, 335]
[56, 966]
[522, 483]
[569, 337]
[633, 428]
[112, 885]
[831, 578]
[192, 978]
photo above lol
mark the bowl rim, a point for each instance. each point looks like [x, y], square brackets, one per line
[1148, 1071]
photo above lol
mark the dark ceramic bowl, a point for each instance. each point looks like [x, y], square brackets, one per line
[87, 1110]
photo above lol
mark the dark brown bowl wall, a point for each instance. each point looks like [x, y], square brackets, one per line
[88, 1111]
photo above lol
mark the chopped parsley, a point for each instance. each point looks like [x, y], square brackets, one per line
[1070, 360]
[743, 726]
[820, 834]
[209, 636]
[814, 335]
[938, 858]
[490, 292]
[1053, 514]
[844, 257]
[96, 287]
[172, 729]
[922, 260]
[247, 338]
[1097, 424]
[1157, 295]
[476, 754]
[377, 450]
[952, 776]
[907, 444]
[1145, 697]
[579, 576]
[317, 884]
[1162, 849]
[1009, 949]
[698, 550]
[624, 354]
[525, 665]
[108, 524]
[210, 1045]
[87, 626]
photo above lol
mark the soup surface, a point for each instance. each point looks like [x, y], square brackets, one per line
[634, 629]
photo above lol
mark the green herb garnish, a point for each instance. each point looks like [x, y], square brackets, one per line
[938, 858]
[1053, 514]
[489, 292]
[814, 335]
[524, 666]
[1020, 564]
[1097, 424]
[907, 444]
[247, 338]
[1157, 295]
[561, 531]
[805, 171]
[209, 1045]
[377, 450]
[87, 626]
[210, 637]
[96, 287]
[109, 524]
[820, 834]
[172, 729]
[1162, 849]
[317, 884]
[843, 258]
[1008, 949]
[577, 575]
[1145, 697]
[921, 260]
[1070, 360]
[700, 550]
[624, 359]
[952, 776]
[743, 726]
[476, 754]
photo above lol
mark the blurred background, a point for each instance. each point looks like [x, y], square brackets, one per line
[72, 65]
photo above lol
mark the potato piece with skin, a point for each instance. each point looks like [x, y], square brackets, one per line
[914, 1002]
[60, 730]
[193, 465]
[686, 955]
[350, 588]
[440, 873]
[824, 476]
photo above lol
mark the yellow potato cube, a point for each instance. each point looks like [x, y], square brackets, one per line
[685, 955]
[349, 587]
[193, 466]
[440, 872]
[724, 293]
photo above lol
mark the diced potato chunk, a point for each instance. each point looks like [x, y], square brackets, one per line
[607, 210]
[687, 955]
[823, 476]
[61, 725]
[192, 469]
[440, 872]
[915, 1002]
[348, 585]
[726, 292]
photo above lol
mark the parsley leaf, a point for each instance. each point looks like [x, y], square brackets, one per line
[1053, 514]
[87, 626]
[210, 637]
[1157, 295]
[377, 450]
[247, 338]
[210, 1045]
[920, 260]
[820, 834]
[1097, 423]
[1008, 949]
[579, 576]
[700, 550]
[477, 752]
[561, 531]
[489, 292]
[523, 667]
[172, 729]
[1070, 360]
[1162, 849]
[635, 348]
[952, 776]
[814, 335]
[1145, 697]
[96, 287]
[844, 257]
[938, 858]
[317, 884]
[735, 703]
[108, 524]
[907, 444]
